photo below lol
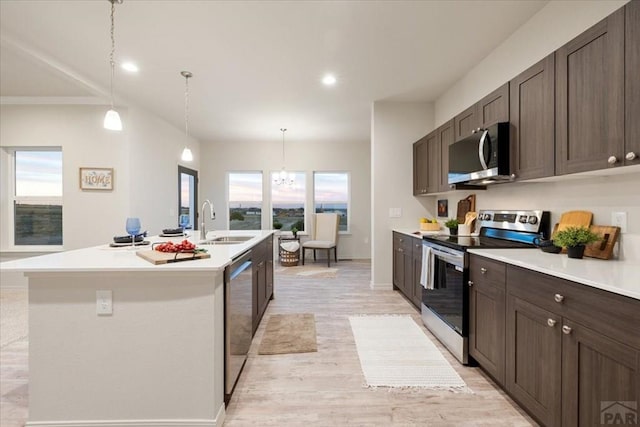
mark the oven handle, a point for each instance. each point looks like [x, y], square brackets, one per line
[455, 259]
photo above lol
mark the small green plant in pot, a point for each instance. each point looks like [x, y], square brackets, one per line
[294, 230]
[452, 225]
[575, 239]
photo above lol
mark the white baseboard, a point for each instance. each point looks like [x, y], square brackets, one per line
[133, 423]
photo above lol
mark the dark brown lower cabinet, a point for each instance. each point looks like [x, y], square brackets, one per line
[262, 260]
[598, 375]
[572, 353]
[407, 265]
[534, 344]
[487, 313]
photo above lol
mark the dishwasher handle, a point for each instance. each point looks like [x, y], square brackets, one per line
[237, 270]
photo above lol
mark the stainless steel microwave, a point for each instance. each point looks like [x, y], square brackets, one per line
[482, 157]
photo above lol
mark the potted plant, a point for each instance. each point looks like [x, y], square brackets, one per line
[452, 225]
[294, 230]
[277, 225]
[575, 239]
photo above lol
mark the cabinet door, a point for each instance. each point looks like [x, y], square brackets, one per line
[465, 122]
[445, 138]
[590, 98]
[433, 168]
[632, 82]
[416, 287]
[487, 311]
[398, 261]
[269, 268]
[420, 165]
[494, 107]
[532, 136]
[423, 159]
[600, 378]
[533, 374]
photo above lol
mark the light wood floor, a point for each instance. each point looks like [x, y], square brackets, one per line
[324, 388]
[327, 388]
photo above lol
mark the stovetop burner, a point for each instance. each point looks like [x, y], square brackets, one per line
[500, 229]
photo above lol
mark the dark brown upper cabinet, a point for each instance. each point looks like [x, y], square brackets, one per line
[445, 138]
[494, 107]
[426, 165]
[590, 98]
[421, 165]
[532, 136]
[632, 84]
[465, 122]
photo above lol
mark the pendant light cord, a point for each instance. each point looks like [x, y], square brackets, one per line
[186, 104]
[113, 48]
[283, 159]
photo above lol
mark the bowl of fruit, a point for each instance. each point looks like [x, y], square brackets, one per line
[427, 224]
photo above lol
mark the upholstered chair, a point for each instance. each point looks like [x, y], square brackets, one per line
[324, 236]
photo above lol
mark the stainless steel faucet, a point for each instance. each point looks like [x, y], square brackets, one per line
[203, 231]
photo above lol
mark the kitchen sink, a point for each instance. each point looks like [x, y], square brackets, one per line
[226, 240]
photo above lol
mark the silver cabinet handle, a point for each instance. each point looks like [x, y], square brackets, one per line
[612, 160]
[566, 330]
[551, 322]
[470, 283]
[630, 155]
[483, 270]
[558, 298]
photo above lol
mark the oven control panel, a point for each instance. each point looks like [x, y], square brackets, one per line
[530, 221]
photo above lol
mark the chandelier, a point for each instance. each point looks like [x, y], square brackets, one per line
[112, 118]
[284, 177]
[187, 155]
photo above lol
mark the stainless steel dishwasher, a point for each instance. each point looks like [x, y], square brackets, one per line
[238, 291]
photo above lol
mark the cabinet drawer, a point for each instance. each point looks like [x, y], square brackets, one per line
[616, 316]
[484, 271]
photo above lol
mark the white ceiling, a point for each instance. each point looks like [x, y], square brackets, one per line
[257, 65]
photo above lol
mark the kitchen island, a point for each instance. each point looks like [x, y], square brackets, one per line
[155, 358]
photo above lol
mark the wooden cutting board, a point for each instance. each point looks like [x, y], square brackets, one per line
[465, 205]
[157, 257]
[604, 248]
[574, 219]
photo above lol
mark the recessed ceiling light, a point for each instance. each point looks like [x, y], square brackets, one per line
[329, 80]
[130, 67]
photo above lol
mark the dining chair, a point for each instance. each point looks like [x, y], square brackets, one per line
[324, 236]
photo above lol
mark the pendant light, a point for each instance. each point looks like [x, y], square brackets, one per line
[112, 118]
[284, 178]
[187, 155]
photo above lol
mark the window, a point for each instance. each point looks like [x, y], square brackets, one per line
[331, 194]
[187, 197]
[245, 200]
[287, 203]
[36, 217]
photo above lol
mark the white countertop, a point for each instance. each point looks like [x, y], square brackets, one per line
[418, 234]
[620, 277]
[106, 259]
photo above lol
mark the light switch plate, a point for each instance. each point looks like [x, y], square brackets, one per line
[104, 302]
[395, 212]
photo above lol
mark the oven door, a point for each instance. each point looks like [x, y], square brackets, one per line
[448, 299]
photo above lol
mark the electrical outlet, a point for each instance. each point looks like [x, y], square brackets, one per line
[619, 219]
[104, 302]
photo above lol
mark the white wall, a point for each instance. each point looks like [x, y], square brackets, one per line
[144, 157]
[395, 127]
[350, 156]
[550, 28]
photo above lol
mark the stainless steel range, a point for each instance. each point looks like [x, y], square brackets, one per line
[445, 299]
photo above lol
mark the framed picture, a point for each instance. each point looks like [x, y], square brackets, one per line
[443, 207]
[96, 179]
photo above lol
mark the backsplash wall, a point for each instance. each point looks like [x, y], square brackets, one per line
[601, 195]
